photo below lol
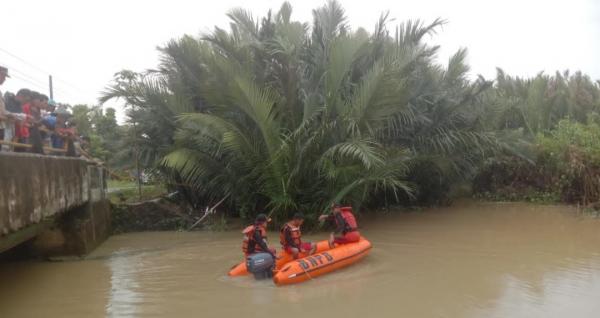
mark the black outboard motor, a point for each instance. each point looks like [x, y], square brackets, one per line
[261, 265]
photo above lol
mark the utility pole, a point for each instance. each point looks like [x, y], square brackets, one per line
[50, 85]
[137, 159]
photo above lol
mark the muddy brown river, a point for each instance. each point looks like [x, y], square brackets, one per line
[468, 260]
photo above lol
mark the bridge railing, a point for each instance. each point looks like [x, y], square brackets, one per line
[49, 150]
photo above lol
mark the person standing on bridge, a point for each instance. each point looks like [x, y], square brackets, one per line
[35, 121]
[21, 129]
[345, 223]
[5, 130]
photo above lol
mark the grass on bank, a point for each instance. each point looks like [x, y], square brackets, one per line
[126, 191]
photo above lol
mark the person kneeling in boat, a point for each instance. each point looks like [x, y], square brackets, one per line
[290, 237]
[345, 223]
[255, 237]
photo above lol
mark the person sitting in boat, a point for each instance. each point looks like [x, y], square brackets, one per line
[255, 237]
[345, 223]
[290, 237]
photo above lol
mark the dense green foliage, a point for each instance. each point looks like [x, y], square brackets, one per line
[538, 104]
[558, 116]
[566, 168]
[101, 127]
[278, 115]
[148, 132]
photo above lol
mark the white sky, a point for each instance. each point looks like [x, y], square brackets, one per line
[83, 43]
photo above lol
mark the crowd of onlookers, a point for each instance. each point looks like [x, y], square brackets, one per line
[31, 122]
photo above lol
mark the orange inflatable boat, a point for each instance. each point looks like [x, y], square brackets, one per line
[284, 258]
[322, 263]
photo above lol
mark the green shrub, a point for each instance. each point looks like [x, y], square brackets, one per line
[571, 154]
[566, 168]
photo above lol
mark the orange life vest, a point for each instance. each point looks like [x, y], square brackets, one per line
[249, 245]
[294, 233]
[350, 224]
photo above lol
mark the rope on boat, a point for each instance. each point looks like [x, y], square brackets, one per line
[305, 272]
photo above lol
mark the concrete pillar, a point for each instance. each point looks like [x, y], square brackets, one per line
[80, 230]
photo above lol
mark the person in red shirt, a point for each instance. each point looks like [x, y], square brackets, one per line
[345, 223]
[22, 126]
[290, 237]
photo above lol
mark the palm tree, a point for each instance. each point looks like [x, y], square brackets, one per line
[279, 116]
[537, 104]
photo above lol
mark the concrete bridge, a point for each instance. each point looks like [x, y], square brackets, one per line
[56, 205]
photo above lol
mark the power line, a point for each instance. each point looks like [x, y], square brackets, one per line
[22, 74]
[73, 86]
[39, 84]
[79, 90]
[22, 60]
[43, 88]
[28, 81]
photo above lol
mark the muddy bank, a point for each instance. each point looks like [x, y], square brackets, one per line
[165, 216]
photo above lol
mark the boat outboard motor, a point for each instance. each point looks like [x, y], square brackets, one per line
[261, 265]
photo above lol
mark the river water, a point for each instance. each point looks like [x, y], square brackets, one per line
[468, 260]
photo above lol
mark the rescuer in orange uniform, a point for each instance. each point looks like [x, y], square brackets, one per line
[255, 237]
[290, 237]
[345, 223]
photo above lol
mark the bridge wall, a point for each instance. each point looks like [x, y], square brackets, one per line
[59, 200]
[35, 187]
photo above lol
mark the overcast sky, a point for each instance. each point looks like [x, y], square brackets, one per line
[83, 43]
